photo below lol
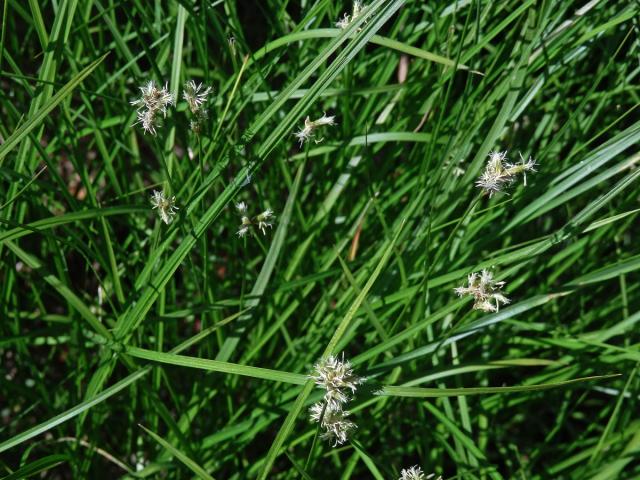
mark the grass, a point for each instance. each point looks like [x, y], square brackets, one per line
[131, 348]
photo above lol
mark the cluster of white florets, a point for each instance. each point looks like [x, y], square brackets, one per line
[416, 473]
[262, 221]
[346, 19]
[152, 106]
[310, 126]
[154, 103]
[499, 173]
[166, 206]
[334, 422]
[336, 377]
[485, 290]
[196, 98]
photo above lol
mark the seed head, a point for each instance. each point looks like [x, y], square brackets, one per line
[343, 22]
[194, 96]
[153, 101]
[149, 120]
[265, 220]
[309, 126]
[523, 167]
[356, 10]
[336, 376]
[485, 291]
[165, 205]
[260, 221]
[358, 6]
[154, 98]
[498, 174]
[415, 473]
[334, 422]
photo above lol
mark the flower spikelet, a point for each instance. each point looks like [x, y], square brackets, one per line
[343, 22]
[153, 102]
[336, 376]
[195, 96]
[415, 473]
[265, 220]
[165, 205]
[485, 290]
[412, 473]
[310, 126]
[499, 173]
[356, 11]
[260, 221]
[334, 421]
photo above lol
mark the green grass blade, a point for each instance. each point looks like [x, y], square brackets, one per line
[35, 120]
[217, 366]
[193, 466]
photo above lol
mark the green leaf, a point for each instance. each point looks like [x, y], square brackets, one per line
[41, 465]
[193, 466]
[422, 392]
[376, 40]
[33, 121]
[217, 366]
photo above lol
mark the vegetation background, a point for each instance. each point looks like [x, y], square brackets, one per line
[129, 347]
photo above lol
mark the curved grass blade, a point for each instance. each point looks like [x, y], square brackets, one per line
[217, 366]
[41, 114]
[37, 466]
[376, 40]
[193, 466]
[422, 392]
[55, 221]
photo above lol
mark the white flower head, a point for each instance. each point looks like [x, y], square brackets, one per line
[498, 173]
[485, 290]
[243, 230]
[150, 120]
[334, 421]
[241, 207]
[415, 473]
[265, 220]
[195, 95]
[260, 221]
[412, 473]
[523, 167]
[343, 22]
[165, 205]
[336, 377]
[152, 102]
[310, 126]
[358, 6]
[356, 10]
[154, 98]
